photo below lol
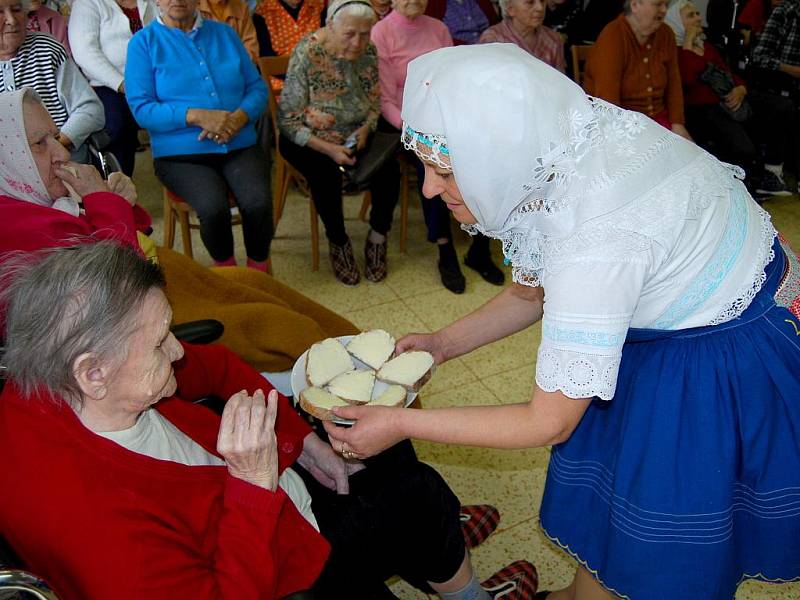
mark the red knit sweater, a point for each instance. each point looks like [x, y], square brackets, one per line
[28, 226]
[695, 91]
[99, 521]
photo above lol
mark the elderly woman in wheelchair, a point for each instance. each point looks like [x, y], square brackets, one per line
[125, 488]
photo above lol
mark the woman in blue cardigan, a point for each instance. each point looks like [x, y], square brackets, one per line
[192, 85]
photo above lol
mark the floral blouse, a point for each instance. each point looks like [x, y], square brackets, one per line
[318, 82]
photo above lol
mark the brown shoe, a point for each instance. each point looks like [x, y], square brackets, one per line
[375, 260]
[343, 263]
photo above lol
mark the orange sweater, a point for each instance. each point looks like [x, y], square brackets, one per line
[644, 78]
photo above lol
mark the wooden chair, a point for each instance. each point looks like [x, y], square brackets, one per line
[286, 174]
[580, 52]
[177, 209]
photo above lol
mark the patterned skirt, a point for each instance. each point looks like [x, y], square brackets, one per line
[688, 481]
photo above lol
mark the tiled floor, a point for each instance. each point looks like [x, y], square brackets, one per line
[412, 299]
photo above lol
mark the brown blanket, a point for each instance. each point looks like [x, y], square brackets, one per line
[266, 322]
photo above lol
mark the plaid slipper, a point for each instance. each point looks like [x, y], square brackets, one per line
[517, 581]
[478, 521]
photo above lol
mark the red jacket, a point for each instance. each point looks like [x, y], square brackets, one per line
[28, 226]
[99, 521]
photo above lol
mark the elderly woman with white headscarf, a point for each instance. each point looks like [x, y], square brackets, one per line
[670, 318]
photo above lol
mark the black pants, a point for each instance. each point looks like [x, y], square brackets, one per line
[400, 518]
[765, 137]
[121, 128]
[203, 181]
[325, 180]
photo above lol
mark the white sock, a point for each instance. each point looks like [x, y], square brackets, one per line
[472, 591]
[375, 237]
[776, 169]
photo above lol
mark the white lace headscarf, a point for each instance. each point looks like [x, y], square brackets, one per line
[533, 156]
[19, 175]
[674, 19]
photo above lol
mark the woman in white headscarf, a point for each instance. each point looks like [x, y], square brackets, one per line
[668, 376]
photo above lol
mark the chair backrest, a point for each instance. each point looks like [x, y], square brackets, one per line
[580, 52]
[272, 66]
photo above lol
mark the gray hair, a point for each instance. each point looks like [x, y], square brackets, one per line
[63, 302]
[26, 5]
[504, 7]
[626, 8]
[359, 9]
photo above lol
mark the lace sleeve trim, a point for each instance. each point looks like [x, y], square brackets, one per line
[577, 374]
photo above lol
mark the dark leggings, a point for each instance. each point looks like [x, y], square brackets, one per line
[203, 180]
[121, 128]
[325, 180]
[770, 127]
[400, 518]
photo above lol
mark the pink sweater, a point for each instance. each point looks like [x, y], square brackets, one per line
[400, 40]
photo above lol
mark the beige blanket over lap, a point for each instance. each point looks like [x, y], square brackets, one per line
[266, 322]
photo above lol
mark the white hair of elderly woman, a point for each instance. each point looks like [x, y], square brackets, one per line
[64, 302]
[360, 9]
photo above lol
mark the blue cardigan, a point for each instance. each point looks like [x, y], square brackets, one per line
[169, 71]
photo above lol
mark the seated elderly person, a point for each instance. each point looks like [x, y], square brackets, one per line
[236, 14]
[722, 113]
[522, 25]
[466, 19]
[267, 323]
[36, 60]
[99, 34]
[634, 64]
[403, 35]
[46, 20]
[192, 85]
[329, 107]
[126, 489]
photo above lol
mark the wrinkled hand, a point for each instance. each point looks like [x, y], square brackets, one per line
[373, 432]
[246, 438]
[317, 119]
[234, 122]
[735, 97]
[362, 135]
[326, 466]
[212, 123]
[340, 155]
[430, 342]
[122, 185]
[85, 180]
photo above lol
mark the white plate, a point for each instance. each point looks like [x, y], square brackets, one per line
[299, 382]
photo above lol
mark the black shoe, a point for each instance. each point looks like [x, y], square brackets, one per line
[481, 261]
[452, 277]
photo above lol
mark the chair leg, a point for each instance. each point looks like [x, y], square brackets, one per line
[169, 222]
[362, 213]
[403, 210]
[278, 197]
[314, 235]
[186, 234]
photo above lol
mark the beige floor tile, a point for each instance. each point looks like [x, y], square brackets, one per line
[512, 386]
[505, 355]
[759, 590]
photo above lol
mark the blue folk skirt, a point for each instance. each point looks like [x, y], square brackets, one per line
[688, 481]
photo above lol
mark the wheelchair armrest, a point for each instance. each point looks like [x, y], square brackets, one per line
[198, 332]
[22, 581]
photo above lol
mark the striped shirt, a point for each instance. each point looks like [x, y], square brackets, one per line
[43, 64]
[36, 64]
